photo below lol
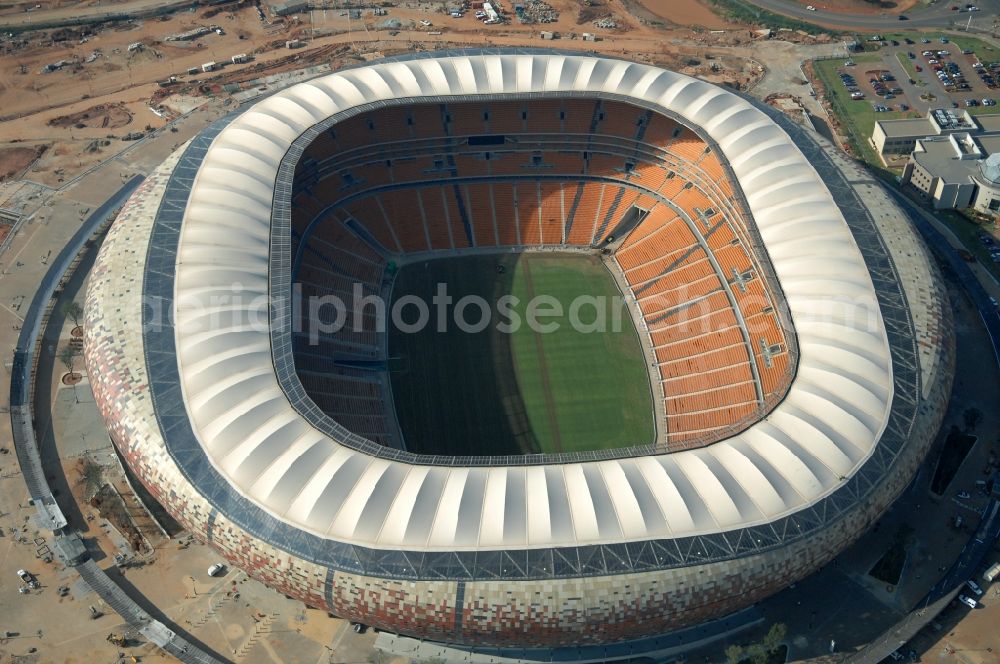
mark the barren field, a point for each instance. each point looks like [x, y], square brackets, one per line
[14, 160]
[686, 12]
[84, 90]
[105, 116]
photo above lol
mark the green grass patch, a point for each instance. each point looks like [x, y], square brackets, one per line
[745, 12]
[968, 232]
[856, 116]
[911, 71]
[496, 391]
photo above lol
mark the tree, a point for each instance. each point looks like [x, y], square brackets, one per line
[734, 654]
[91, 477]
[774, 636]
[68, 357]
[758, 654]
[74, 311]
[973, 417]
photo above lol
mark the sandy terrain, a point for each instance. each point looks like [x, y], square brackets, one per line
[686, 12]
[15, 159]
[104, 116]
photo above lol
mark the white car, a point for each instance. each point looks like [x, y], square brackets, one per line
[28, 578]
[810, 8]
[968, 601]
[974, 587]
[216, 569]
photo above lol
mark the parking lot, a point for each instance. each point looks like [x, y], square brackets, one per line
[903, 75]
[923, 71]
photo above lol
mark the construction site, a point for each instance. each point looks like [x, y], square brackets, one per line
[72, 96]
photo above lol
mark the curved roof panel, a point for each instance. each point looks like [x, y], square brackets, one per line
[826, 427]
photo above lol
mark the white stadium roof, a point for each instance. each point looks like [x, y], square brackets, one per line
[822, 432]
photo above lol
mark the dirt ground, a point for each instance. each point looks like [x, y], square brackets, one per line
[105, 116]
[100, 90]
[686, 12]
[861, 6]
[14, 160]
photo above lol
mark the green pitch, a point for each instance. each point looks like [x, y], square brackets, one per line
[509, 388]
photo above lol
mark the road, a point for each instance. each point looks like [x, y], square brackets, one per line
[79, 15]
[937, 15]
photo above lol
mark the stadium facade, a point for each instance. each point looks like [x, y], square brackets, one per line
[198, 371]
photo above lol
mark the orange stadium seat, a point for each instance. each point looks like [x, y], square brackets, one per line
[552, 212]
[577, 116]
[467, 120]
[506, 214]
[660, 130]
[580, 221]
[368, 213]
[620, 120]
[688, 146]
[458, 231]
[505, 117]
[476, 204]
[544, 117]
[432, 213]
[526, 202]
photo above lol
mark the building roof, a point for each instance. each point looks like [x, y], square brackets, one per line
[822, 433]
[989, 123]
[907, 127]
[990, 143]
[939, 156]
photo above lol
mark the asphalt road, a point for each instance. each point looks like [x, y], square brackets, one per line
[937, 15]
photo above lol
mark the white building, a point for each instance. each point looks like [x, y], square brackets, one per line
[958, 170]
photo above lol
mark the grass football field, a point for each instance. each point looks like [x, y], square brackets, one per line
[518, 390]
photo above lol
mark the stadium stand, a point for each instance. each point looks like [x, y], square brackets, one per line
[557, 172]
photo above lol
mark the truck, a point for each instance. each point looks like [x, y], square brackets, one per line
[208, 66]
[991, 573]
[240, 59]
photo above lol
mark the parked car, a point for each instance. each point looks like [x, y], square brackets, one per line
[968, 601]
[28, 578]
[216, 569]
[974, 587]
[963, 495]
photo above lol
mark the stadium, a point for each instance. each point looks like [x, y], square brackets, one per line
[781, 368]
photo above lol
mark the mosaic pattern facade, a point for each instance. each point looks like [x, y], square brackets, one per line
[525, 613]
